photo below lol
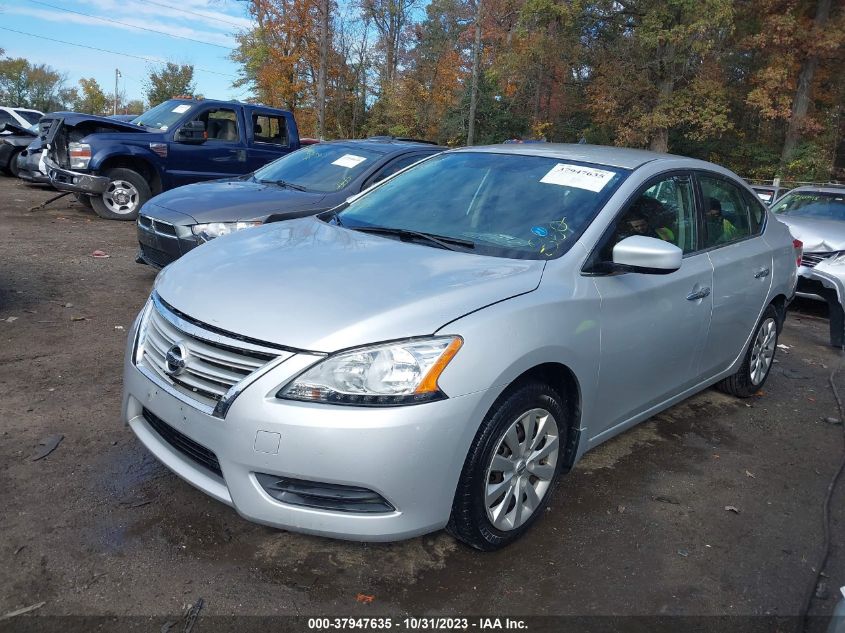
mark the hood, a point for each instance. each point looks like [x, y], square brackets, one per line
[235, 199]
[72, 119]
[315, 286]
[818, 235]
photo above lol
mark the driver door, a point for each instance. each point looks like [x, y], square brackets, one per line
[653, 326]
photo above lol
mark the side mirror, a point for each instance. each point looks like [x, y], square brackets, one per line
[649, 255]
[192, 132]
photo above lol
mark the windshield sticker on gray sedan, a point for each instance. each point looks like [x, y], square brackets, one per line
[550, 241]
[349, 161]
[589, 178]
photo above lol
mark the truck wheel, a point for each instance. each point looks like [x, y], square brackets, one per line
[84, 200]
[127, 192]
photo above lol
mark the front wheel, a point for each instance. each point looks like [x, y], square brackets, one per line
[13, 165]
[126, 193]
[511, 469]
[758, 361]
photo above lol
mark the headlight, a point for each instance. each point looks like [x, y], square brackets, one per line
[381, 375]
[141, 333]
[80, 155]
[215, 229]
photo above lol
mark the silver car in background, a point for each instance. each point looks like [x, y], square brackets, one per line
[816, 216]
[438, 350]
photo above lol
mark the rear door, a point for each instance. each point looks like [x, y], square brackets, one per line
[742, 267]
[222, 155]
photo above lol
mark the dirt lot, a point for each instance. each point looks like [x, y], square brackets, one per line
[640, 527]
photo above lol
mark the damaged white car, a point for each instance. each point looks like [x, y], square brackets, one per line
[816, 217]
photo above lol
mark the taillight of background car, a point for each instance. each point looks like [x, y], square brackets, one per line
[798, 245]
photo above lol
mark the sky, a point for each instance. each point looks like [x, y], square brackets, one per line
[208, 25]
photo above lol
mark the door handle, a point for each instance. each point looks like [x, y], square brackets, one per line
[698, 294]
[760, 274]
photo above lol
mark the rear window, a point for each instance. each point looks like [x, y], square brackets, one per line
[29, 116]
[269, 129]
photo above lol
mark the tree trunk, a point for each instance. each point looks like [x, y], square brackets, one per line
[473, 96]
[322, 70]
[801, 101]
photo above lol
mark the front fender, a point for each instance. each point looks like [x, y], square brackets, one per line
[103, 153]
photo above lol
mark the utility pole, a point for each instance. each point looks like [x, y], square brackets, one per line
[476, 52]
[116, 75]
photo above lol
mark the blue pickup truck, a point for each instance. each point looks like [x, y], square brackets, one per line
[116, 166]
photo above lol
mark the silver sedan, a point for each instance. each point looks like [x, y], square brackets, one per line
[438, 350]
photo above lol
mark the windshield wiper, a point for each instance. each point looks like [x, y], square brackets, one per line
[443, 241]
[285, 184]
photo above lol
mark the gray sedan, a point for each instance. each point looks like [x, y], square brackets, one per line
[437, 351]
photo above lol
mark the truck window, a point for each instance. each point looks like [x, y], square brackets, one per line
[269, 129]
[221, 124]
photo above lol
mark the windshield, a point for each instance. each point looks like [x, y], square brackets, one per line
[323, 168]
[29, 116]
[507, 205]
[163, 115]
[812, 204]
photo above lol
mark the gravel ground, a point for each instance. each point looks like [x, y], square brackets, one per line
[640, 527]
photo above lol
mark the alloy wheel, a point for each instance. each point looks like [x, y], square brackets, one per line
[121, 197]
[521, 470]
[763, 350]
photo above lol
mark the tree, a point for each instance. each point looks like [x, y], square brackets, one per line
[91, 99]
[169, 81]
[30, 85]
[134, 106]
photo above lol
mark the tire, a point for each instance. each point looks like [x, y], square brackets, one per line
[123, 199]
[84, 200]
[491, 525]
[13, 165]
[759, 358]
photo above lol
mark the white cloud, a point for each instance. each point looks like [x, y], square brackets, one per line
[211, 18]
[221, 39]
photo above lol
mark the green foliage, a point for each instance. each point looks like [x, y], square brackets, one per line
[169, 81]
[27, 85]
[91, 99]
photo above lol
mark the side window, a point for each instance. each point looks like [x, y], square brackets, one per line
[392, 167]
[5, 117]
[269, 129]
[665, 210]
[221, 124]
[726, 212]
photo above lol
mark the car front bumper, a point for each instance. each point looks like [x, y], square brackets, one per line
[160, 242]
[28, 167]
[74, 181]
[411, 456]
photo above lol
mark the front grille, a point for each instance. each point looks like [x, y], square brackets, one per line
[184, 444]
[811, 259]
[157, 257]
[157, 226]
[210, 367]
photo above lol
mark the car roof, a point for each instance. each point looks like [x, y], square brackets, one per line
[388, 146]
[623, 157]
[840, 189]
[242, 104]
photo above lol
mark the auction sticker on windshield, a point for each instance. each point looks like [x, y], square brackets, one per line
[181, 108]
[589, 178]
[349, 161]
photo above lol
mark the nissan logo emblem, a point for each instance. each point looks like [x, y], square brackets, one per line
[175, 359]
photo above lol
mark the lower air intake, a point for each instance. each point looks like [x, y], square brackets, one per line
[312, 494]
